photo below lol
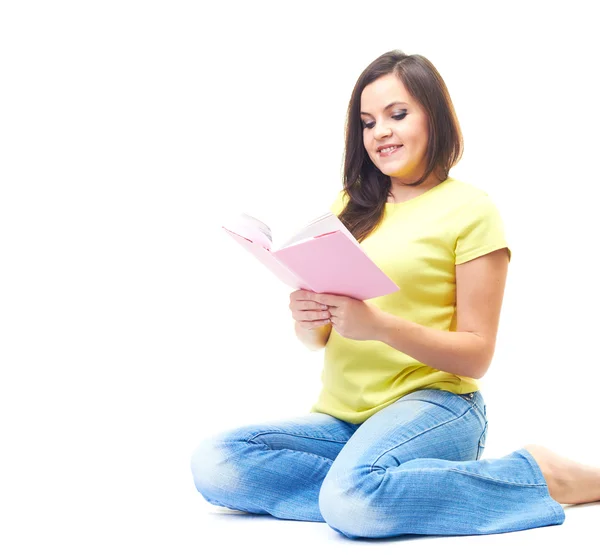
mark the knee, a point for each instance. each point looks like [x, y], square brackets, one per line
[350, 506]
[212, 467]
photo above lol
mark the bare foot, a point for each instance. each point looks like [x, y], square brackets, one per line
[569, 482]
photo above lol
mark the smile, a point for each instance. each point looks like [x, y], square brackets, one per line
[388, 151]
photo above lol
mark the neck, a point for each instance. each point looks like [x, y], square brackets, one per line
[399, 192]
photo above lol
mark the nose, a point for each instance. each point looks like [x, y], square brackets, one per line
[381, 130]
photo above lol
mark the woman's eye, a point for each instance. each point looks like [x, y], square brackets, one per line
[399, 116]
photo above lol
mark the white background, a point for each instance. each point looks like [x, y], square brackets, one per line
[132, 326]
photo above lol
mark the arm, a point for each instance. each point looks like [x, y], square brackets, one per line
[314, 339]
[469, 350]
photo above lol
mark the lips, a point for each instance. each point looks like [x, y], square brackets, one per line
[388, 150]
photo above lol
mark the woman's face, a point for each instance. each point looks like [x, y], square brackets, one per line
[390, 116]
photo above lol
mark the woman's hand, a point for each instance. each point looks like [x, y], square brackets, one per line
[308, 313]
[350, 317]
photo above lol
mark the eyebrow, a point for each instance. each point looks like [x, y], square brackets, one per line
[387, 107]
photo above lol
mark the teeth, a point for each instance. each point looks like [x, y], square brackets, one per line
[389, 149]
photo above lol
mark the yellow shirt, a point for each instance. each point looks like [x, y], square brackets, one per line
[417, 244]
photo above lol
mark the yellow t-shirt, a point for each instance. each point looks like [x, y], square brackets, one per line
[417, 244]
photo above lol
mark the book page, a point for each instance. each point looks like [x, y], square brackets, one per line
[251, 228]
[325, 223]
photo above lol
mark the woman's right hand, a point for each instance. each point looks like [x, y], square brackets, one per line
[309, 314]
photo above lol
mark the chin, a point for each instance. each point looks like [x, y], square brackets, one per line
[394, 172]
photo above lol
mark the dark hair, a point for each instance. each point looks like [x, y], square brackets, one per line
[367, 187]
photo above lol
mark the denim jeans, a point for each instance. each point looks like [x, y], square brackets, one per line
[414, 467]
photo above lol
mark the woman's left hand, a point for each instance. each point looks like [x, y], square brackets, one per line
[352, 318]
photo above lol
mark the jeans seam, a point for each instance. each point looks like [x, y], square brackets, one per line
[473, 404]
[481, 447]
[488, 478]
[473, 475]
[293, 435]
[293, 451]
[418, 435]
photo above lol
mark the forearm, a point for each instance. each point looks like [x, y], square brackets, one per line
[314, 339]
[456, 352]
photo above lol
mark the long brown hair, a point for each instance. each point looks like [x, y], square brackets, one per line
[366, 186]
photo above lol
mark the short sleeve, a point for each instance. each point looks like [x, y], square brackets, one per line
[481, 231]
[338, 204]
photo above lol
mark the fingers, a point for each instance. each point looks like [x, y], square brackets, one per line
[309, 313]
[311, 305]
[301, 295]
[309, 296]
[313, 324]
[306, 305]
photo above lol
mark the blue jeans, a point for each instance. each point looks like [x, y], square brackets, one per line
[412, 468]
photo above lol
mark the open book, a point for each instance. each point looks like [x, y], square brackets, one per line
[323, 257]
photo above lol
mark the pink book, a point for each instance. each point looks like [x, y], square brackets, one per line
[323, 257]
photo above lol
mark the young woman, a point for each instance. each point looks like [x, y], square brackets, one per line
[393, 444]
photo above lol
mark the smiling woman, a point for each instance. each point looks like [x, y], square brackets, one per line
[400, 117]
[392, 445]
